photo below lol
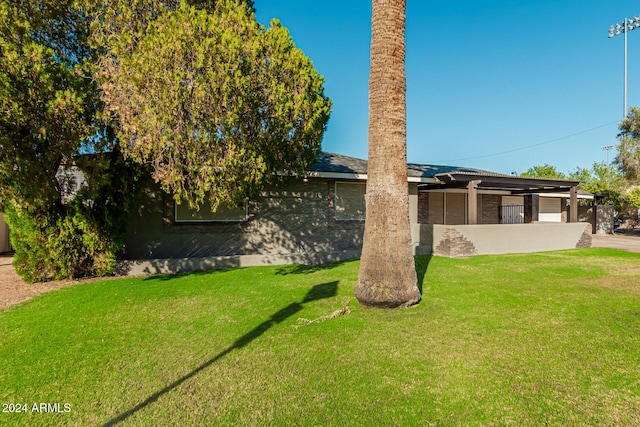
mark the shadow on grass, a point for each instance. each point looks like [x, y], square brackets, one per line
[171, 276]
[307, 269]
[318, 292]
[422, 265]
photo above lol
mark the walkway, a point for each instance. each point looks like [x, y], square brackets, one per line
[626, 241]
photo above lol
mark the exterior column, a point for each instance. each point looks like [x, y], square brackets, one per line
[573, 204]
[472, 202]
[531, 208]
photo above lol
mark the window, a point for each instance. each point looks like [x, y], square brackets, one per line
[447, 208]
[183, 213]
[349, 201]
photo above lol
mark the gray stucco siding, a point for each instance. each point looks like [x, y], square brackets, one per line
[295, 220]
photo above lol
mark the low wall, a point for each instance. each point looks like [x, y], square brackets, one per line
[467, 240]
[180, 265]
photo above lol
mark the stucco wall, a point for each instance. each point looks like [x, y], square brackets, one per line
[468, 240]
[296, 221]
[5, 246]
[600, 217]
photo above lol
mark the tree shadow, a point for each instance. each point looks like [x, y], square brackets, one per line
[307, 269]
[171, 276]
[422, 265]
[317, 292]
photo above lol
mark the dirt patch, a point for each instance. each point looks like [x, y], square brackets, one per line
[13, 290]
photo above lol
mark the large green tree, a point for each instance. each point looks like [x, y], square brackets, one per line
[49, 114]
[628, 157]
[387, 276]
[603, 179]
[217, 104]
[65, 183]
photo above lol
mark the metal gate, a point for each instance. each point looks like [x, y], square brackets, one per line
[512, 214]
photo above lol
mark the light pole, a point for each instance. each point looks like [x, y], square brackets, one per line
[623, 28]
[607, 148]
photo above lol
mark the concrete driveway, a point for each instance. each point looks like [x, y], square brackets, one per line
[627, 241]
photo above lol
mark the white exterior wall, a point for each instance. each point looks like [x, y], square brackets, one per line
[550, 210]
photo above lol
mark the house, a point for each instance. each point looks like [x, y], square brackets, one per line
[320, 218]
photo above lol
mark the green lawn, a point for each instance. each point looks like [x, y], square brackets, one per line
[523, 340]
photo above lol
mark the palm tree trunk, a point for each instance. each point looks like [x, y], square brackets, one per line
[387, 276]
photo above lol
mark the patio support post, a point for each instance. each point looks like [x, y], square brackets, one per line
[531, 208]
[573, 204]
[472, 202]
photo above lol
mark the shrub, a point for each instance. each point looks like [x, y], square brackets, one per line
[82, 236]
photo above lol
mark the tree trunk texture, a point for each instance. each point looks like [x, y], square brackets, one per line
[387, 276]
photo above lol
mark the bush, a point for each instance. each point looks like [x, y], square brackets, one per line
[82, 236]
[69, 247]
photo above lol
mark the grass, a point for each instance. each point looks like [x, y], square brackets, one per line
[537, 339]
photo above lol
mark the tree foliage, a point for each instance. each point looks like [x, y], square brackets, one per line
[45, 107]
[544, 171]
[603, 179]
[629, 149]
[49, 114]
[218, 105]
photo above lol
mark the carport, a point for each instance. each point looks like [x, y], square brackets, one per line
[529, 188]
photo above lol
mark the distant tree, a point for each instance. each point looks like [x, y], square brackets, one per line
[217, 104]
[387, 276]
[544, 171]
[605, 179]
[628, 157]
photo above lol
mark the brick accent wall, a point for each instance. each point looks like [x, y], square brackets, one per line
[490, 209]
[423, 207]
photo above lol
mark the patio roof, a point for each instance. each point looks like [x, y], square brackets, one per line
[494, 181]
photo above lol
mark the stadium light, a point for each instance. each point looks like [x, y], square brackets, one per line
[623, 28]
[607, 148]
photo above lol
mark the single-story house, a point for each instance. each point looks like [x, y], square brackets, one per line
[453, 212]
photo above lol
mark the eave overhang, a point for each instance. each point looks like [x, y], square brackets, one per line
[513, 184]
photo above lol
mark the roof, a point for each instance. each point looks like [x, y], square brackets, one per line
[494, 181]
[331, 165]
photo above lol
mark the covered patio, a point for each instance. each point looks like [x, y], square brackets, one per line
[468, 213]
[530, 189]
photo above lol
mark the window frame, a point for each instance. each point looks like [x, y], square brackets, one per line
[335, 201]
[178, 221]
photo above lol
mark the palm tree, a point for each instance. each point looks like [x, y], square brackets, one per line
[387, 276]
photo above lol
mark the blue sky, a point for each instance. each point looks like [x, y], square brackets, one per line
[501, 85]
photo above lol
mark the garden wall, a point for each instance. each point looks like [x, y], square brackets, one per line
[467, 240]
